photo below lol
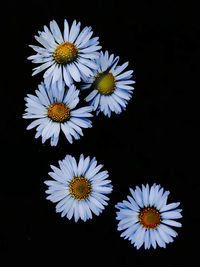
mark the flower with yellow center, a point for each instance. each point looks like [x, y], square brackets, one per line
[80, 188]
[145, 218]
[65, 57]
[53, 109]
[110, 87]
[149, 217]
[65, 53]
[58, 112]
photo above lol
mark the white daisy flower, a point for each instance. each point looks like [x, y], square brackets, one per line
[53, 110]
[145, 218]
[79, 187]
[111, 88]
[67, 56]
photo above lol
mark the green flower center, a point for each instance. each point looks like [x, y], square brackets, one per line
[105, 83]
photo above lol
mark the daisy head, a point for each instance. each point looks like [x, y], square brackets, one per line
[110, 87]
[145, 218]
[79, 188]
[66, 56]
[53, 109]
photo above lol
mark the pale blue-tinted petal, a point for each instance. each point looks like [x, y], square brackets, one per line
[159, 240]
[56, 31]
[172, 223]
[84, 69]
[169, 206]
[65, 129]
[74, 72]
[74, 31]
[168, 230]
[66, 31]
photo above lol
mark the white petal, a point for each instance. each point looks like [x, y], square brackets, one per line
[119, 69]
[91, 95]
[56, 31]
[66, 31]
[74, 72]
[168, 230]
[124, 75]
[159, 240]
[152, 238]
[84, 69]
[82, 35]
[80, 165]
[89, 63]
[170, 206]
[171, 214]
[65, 129]
[74, 31]
[84, 123]
[35, 123]
[66, 75]
[172, 222]
[147, 241]
[42, 67]
[90, 49]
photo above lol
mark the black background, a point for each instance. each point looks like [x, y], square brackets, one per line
[154, 140]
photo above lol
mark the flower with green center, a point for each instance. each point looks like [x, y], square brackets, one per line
[65, 57]
[145, 218]
[80, 188]
[109, 87]
[105, 83]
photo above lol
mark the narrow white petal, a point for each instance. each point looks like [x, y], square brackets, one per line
[84, 69]
[73, 70]
[168, 230]
[56, 31]
[66, 31]
[74, 31]
[172, 223]
[171, 214]
[170, 206]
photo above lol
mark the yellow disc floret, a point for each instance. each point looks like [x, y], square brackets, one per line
[65, 53]
[149, 217]
[80, 188]
[105, 83]
[59, 112]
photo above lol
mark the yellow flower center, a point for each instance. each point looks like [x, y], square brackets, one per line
[65, 53]
[105, 83]
[149, 217]
[80, 188]
[58, 112]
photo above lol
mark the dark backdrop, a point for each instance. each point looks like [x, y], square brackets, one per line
[152, 141]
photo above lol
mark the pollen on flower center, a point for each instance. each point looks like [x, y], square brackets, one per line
[149, 217]
[105, 83]
[80, 188]
[65, 53]
[58, 112]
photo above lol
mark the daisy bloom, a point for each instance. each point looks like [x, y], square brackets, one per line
[53, 110]
[146, 217]
[67, 56]
[78, 187]
[111, 88]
